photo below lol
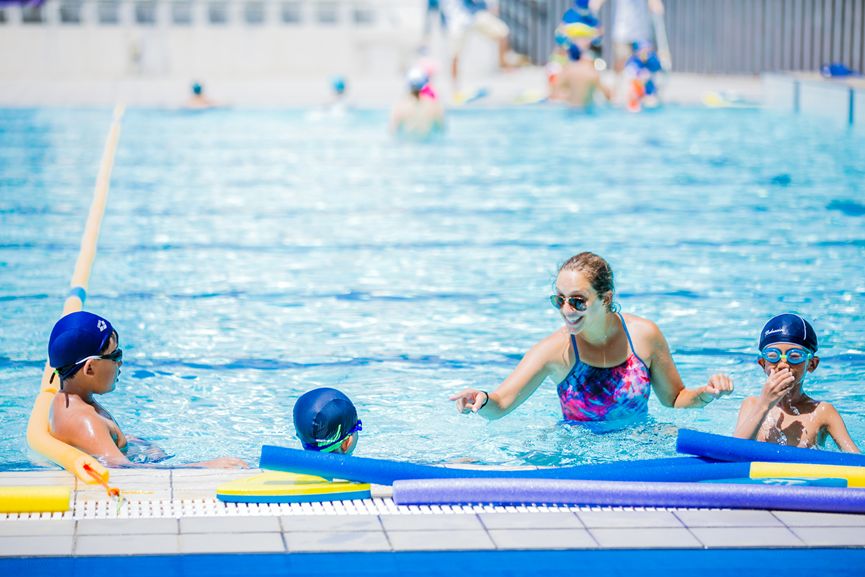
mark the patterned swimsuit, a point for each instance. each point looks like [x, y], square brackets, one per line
[591, 394]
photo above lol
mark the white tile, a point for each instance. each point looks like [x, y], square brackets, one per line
[437, 522]
[338, 541]
[253, 524]
[303, 523]
[127, 545]
[231, 543]
[542, 539]
[37, 527]
[126, 526]
[36, 546]
[37, 478]
[727, 518]
[746, 537]
[439, 540]
[645, 538]
[831, 536]
[803, 519]
[551, 520]
[628, 518]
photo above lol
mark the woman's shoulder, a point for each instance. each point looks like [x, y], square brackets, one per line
[641, 328]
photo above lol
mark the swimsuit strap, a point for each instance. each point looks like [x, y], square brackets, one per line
[576, 350]
[630, 342]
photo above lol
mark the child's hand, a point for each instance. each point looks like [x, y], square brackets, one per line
[777, 385]
[470, 400]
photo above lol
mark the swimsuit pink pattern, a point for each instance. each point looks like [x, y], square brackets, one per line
[591, 394]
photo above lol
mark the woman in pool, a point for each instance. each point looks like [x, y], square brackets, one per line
[605, 363]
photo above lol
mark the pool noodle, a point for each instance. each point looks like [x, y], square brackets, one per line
[854, 476]
[47, 499]
[724, 448]
[607, 493]
[386, 472]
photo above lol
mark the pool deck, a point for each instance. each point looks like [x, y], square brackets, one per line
[170, 512]
[507, 88]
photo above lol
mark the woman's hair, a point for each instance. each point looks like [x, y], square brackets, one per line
[597, 271]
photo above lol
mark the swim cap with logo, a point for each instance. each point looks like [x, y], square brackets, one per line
[788, 328]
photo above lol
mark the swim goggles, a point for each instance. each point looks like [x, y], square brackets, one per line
[577, 303]
[791, 357]
[332, 445]
[116, 355]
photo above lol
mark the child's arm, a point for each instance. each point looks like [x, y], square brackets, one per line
[755, 409]
[837, 429]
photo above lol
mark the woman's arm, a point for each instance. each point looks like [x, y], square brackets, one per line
[535, 366]
[666, 381]
[837, 429]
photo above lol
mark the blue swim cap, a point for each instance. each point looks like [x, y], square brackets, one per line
[788, 328]
[324, 417]
[196, 88]
[574, 52]
[339, 84]
[75, 337]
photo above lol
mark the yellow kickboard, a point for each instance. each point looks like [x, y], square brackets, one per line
[855, 475]
[282, 487]
[49, 499]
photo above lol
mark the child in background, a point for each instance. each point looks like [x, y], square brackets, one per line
[326, 421]
[783, 413]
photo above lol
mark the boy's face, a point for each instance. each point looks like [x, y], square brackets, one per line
[104, 372]
[797, 370]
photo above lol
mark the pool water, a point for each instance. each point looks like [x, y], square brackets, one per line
[248, 256]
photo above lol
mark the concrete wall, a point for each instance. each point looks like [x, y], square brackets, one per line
[368, 37]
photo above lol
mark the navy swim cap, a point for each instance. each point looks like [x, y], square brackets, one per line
[788, 328]
[323, 417]
[574, 52]
[75, 337]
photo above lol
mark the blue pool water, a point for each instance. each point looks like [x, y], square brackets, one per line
[247, 256]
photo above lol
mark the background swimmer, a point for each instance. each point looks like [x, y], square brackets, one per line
[199, 100]
[420, 113]
[783, 413]
[578, 80]
[84, 352]
[325, 420]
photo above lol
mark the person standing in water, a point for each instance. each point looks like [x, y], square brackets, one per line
[782, 413]
[420, 113]
[605, 363]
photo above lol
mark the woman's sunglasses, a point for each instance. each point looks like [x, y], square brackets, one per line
[577, 303]
[791, 357]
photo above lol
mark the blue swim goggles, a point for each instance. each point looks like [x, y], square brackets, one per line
[791, 357]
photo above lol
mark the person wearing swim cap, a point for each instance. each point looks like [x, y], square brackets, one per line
[606, 363]
[417, 115]
[84, 351]
[325, 421]
[198, 100]
[782, 413]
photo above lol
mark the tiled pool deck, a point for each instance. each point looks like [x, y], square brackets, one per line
[175, 512]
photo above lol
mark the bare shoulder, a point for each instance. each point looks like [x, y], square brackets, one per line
[826, 411]
[646, 336]
[75, 419]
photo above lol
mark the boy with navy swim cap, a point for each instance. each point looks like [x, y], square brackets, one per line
[84, 351]
[326, 421]
[783, 413]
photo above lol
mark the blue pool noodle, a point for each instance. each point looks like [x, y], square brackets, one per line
[724, 448]
[627, 494]
[385, 472]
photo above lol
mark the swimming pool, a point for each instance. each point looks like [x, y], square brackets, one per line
[247, 256]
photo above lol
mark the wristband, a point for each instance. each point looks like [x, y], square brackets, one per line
[486, 401]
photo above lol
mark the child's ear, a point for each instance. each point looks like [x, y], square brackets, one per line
[762, 362]
[812, 364]
[346, 444]
[88, 367]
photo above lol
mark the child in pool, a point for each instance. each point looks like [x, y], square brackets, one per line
[326, 421]
[783, 413]
[84, 351]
